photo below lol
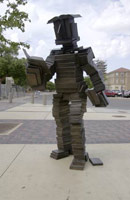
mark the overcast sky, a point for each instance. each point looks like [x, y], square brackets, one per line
[105, 26]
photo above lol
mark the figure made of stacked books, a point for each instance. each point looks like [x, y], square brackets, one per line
[69, 102]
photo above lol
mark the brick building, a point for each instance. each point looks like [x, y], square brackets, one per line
[118, 79]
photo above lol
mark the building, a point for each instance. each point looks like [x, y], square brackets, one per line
[118, 79]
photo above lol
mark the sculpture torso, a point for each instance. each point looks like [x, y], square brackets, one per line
[69, 74]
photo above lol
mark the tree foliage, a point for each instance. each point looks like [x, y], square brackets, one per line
[13, 18]
[18, 71]
[102, 67]
[50, 86]
[12, 66]
[88, 82]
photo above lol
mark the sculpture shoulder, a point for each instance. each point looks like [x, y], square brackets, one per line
[85, 56]
[85, 50]
[55, 52]
[50, 60]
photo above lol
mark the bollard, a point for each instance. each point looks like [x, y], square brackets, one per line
[44, 99]
[10, 97]
[0, 90]
[24, 94]
[32, 99]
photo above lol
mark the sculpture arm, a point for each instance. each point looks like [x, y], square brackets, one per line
[86, 61]
[97, 96]
[50, 62]
[39, 71]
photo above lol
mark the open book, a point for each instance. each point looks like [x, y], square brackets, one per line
[36, 62]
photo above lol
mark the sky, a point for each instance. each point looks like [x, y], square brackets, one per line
[104, 25]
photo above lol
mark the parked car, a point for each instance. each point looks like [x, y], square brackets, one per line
[117, 93]
[127, 94]
[110, 93]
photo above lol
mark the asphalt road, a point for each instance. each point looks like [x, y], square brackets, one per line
[116, 103]
[119, 103]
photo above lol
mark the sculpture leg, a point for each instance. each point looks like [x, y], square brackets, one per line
[77, 108]
[61, 114]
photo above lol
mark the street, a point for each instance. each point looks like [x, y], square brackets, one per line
[119, 103]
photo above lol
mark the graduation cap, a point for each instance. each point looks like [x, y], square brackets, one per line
[63, 17]
[65, 29]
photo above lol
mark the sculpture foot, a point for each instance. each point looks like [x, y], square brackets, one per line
[58, 154]
[77, 164]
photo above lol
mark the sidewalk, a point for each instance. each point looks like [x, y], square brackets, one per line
[35, 111]
[4, 103]
[28, 173]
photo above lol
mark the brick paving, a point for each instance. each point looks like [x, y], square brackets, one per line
[6, 127]
[43, 132]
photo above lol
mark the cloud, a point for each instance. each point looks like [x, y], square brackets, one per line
[114, 25]
[105, 26]
[115, 18]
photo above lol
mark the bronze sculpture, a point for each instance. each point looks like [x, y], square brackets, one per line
[69, 103]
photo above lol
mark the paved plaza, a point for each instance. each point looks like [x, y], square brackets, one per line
[37, 126]
[43, 132]
[27, 136]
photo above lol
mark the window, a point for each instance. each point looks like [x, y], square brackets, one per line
[122, 81]
[117, 81]
[122, 74]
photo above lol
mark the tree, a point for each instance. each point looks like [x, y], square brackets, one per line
[13, 18]
[12, 66]
[6, 57]
[102, 67]
[88, 82]
[50, 86]
[18, 72]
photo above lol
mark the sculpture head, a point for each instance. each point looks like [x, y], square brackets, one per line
[65, 30]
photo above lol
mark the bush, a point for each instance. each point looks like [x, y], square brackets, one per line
[50, 86]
